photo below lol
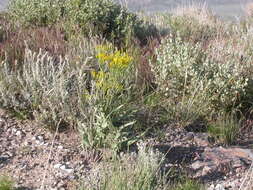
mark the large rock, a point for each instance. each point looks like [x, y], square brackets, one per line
[215, 162]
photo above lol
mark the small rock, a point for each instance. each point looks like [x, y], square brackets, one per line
[3, 158]
[37, 142]
[40, 138]
[60, 147]
[64, 168]
[18, 133]
[201, 139]
[71, 177]
[57, 166]
[189, 136]
[219, 187]
[212, 187]
[14, 130]
[27, 143]
[68, 170]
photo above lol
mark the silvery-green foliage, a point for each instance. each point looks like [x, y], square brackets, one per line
[36, 12]
[182, 67]
[45, 87]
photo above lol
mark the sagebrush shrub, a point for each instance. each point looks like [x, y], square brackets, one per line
[43, 87]
[236, 50]
[184, 72]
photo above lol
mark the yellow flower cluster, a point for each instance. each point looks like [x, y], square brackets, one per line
[114, 59]
[112, 64]
[105, 81]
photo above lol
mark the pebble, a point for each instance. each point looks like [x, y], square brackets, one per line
[14, 130]
[19, 133]
[60, 147]
[219, 187]
[64, 168]
[40, 138]
[57, 166]
[211, 187]
[37, 142]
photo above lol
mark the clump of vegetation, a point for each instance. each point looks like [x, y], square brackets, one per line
[190, 185]
[15, 41]
[102, 18]
[111, 93]
[194, 23]
[6, 183]
[225, 129]
[138, 171]
[36, 12]
[109, 20]
[92, 96]
[194, 82]
[142, 172]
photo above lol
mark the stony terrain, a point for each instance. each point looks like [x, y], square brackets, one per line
[39, 159]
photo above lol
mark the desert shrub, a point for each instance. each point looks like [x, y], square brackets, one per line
[185, 74]
[107, 19]
[42, 87]
[237, 50]
[36, 12]
[102, 18]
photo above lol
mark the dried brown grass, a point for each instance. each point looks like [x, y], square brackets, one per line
[15, 40]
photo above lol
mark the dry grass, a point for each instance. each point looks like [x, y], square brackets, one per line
[199, 12]
[15, 40]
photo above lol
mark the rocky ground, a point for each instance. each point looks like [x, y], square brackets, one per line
[38, 159]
